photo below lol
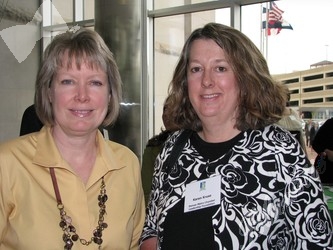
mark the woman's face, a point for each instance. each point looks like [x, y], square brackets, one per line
[212, 86]
[79, 98]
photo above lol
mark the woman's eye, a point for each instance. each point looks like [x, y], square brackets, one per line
[66, 82]
[96, 83]
[221, 69]
[195, 69]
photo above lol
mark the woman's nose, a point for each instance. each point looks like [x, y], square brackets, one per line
[82, 93]
[207, 81]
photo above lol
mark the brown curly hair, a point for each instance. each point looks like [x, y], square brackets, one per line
[261, 99]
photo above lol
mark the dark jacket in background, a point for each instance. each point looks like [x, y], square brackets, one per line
[324, 140]
[150, 153]
[30, 121]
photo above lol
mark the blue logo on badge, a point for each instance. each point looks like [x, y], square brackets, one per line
[202, 185]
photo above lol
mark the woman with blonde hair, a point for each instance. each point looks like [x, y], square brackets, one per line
[66, 187]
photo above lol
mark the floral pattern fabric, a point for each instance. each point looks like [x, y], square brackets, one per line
[271, 195]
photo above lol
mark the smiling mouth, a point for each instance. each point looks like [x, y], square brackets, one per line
[209, 96]
[81, 113]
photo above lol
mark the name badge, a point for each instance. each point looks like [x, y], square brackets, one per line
[203, 193]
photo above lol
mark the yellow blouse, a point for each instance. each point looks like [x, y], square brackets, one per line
[29, 217]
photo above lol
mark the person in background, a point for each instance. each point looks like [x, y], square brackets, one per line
[153, 148]
[30, 122]
[308, 125]
[293, 123]
[323, 145]
[312, 133]
[66, 187]
[240, 181]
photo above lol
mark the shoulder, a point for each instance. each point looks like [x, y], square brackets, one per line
[274, 135]
[268, 131]
[327, 127]
[30, 109]
[276, 142]
[120, 149]
[19, 144]
[16, 157]
[173, 137]
[170, 143]
[118, 156]
[328, 123]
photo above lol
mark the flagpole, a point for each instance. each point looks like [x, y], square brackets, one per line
[266, 32]
[262, 30]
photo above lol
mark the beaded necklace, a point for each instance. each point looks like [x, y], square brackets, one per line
[70, 236]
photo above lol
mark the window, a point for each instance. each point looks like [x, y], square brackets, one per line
[59, 15]
[170, 34]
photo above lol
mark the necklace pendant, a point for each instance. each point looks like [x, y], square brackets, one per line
[68, 219]
[68, 242]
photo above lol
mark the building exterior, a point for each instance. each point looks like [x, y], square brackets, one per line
[311, 90]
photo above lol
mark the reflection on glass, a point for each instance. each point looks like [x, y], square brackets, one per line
[65, 9]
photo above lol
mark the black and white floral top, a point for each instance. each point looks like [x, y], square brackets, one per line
[271, 196]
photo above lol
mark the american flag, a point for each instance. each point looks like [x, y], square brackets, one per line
[275, 20]
[275, 13]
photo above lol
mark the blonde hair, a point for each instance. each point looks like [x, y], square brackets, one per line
[84, 46]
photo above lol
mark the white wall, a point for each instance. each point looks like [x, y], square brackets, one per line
[17, 80]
